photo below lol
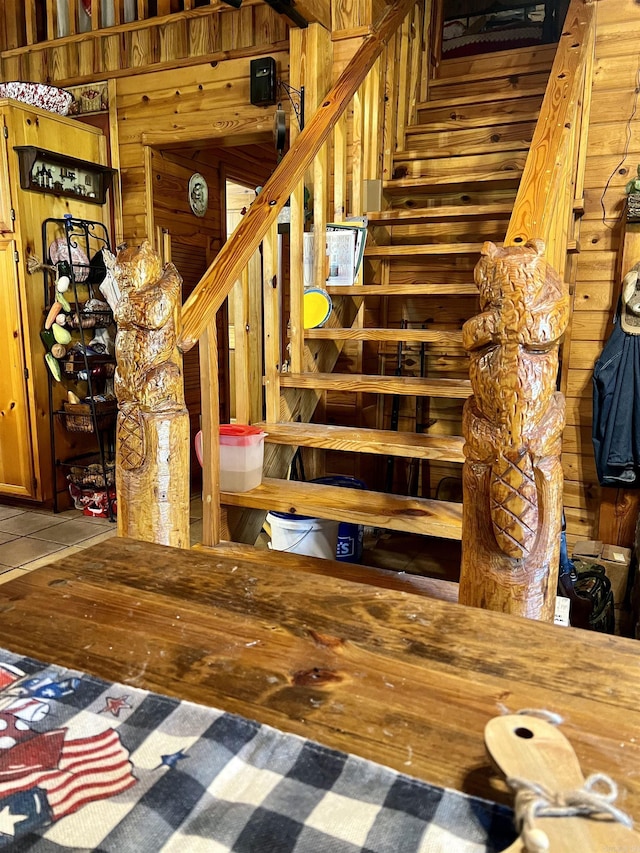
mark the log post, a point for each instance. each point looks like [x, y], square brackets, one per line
[512, 475]
[152, 433]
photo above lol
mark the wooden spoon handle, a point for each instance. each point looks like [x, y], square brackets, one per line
[532, 749]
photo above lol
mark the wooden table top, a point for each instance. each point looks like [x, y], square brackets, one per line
[396, 677]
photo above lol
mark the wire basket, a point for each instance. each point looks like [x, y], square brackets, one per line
[90, 475]
[78, 417]
[101, 367]
[89, 320]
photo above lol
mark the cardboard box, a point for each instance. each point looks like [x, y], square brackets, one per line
[615, 559]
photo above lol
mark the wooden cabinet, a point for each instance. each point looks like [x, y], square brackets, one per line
[16, 458]
[27, 469]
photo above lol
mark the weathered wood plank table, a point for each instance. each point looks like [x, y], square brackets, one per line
[393, 676]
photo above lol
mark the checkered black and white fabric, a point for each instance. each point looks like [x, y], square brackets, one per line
[91, 765]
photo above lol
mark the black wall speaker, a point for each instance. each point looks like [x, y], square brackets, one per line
[263, 81]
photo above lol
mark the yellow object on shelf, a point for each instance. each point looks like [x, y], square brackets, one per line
[316, 305]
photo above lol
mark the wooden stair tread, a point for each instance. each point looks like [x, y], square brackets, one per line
[368, 334]
[445, 289]
[369, 384]
[404, 216]
[393, 512]
[447, 448]
[352, 572]
[510, 177]
[476, 98]
[417, 249]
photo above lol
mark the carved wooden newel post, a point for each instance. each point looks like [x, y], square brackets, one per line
[512, 476]
[152, 437]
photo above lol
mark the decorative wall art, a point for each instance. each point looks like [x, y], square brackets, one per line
[198, 194]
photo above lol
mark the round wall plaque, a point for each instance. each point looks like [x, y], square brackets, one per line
[198, 194]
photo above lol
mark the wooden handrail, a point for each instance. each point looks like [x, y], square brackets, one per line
[534, 207]
[214, 286]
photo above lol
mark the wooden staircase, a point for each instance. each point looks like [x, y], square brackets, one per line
[451, 186]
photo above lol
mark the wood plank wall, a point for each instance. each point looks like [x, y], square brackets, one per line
[612, 158]
[183, 106]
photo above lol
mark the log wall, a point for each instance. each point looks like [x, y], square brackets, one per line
[613, 153]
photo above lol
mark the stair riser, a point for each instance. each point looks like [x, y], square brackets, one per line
[399, 253]
[486, 74]
[498, 137]
[450, 117]
[474, 231]
[416, 197]
[438, 215]
[510, 161]
[486, 90]
[432, 186]
[434, 271]
[488, 63]
[445, 388]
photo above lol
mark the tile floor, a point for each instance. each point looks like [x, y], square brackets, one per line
[30, 538]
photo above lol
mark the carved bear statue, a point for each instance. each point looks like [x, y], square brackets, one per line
[513, 422]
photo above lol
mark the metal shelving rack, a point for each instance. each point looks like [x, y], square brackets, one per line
[83, 238]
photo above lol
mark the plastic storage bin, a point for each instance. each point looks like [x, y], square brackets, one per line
[241, 456]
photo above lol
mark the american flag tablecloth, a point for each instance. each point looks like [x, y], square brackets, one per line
[90, 765]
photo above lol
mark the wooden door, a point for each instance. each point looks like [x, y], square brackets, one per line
[16, 457]
[6, 209]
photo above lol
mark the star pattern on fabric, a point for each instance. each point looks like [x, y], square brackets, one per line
[172, 760]
[8, 821]
[115, 705]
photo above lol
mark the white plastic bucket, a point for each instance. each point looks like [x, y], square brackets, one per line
[299, 534]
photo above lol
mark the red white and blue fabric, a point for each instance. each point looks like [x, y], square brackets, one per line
[90, 765]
